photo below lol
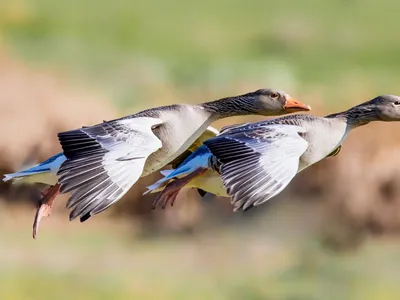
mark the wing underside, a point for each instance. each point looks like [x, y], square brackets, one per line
[256, 165]
[104, 161]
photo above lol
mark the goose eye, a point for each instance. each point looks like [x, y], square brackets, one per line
[397, 103]
[274, 95]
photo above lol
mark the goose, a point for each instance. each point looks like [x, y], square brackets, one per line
[254, 162]
[100, 163]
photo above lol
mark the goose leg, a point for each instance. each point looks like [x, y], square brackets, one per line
[46, 206]
[171, 191]
[170, 198]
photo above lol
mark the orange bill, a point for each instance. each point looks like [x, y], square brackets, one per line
[293, 105]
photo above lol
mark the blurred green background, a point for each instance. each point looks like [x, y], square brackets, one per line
[129, 55]
[128, 47]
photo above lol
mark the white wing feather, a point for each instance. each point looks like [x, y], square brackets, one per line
[258, 164]
[104, 161]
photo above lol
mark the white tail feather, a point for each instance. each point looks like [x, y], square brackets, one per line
[45, 172]
[8, 177]
[166, 172]
[198, 159]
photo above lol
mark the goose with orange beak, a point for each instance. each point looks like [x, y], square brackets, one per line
[100, 163]
[254, 162]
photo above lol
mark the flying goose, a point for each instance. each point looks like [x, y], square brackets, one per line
[100, 163]
[253, 162]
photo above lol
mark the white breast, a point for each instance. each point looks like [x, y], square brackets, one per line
[182, 128]
[323, 137]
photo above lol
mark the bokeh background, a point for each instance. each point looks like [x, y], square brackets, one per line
[333, 234]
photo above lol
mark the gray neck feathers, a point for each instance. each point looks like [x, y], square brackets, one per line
[358, 115]
[231, 106]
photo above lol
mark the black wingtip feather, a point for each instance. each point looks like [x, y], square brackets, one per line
[85, 217]
[201, 192]
[77, 142]
[248, 208]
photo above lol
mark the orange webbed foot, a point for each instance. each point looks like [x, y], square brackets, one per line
[46, 206]
[171, 191]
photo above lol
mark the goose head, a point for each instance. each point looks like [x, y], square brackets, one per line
[269, 102]
[382, 108]
[266, 102]
[387, 107]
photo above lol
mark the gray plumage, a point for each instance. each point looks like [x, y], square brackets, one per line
[256, 161]
[105, 160]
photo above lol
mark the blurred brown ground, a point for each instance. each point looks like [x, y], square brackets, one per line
[357, 190]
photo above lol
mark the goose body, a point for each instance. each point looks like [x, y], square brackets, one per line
[180, 126]
[101, 162]
[322, 136]
[256, 161]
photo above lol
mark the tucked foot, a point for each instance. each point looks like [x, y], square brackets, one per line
[168, 195]
[171, 190]
[170, 198]
[46, 206]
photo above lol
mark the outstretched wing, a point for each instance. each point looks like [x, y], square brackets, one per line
[257, 164]
[104, 161]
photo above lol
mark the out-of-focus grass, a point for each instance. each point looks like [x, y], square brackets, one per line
[103, 261]
[133, 46]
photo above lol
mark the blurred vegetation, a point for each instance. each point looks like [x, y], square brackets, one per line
[130, 47]
[103, 262]
[140, 54]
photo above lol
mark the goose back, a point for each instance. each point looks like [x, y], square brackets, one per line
[182, 125]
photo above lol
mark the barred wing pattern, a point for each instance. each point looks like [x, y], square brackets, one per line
[257, 162]
[104, 161]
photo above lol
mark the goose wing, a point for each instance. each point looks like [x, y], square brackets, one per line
[104, 161]
[257, 163]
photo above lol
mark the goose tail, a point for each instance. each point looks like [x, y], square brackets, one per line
[198, 159]
[45, 172]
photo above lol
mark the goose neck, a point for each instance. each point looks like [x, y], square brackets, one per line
[357, 116]
[230, 106]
